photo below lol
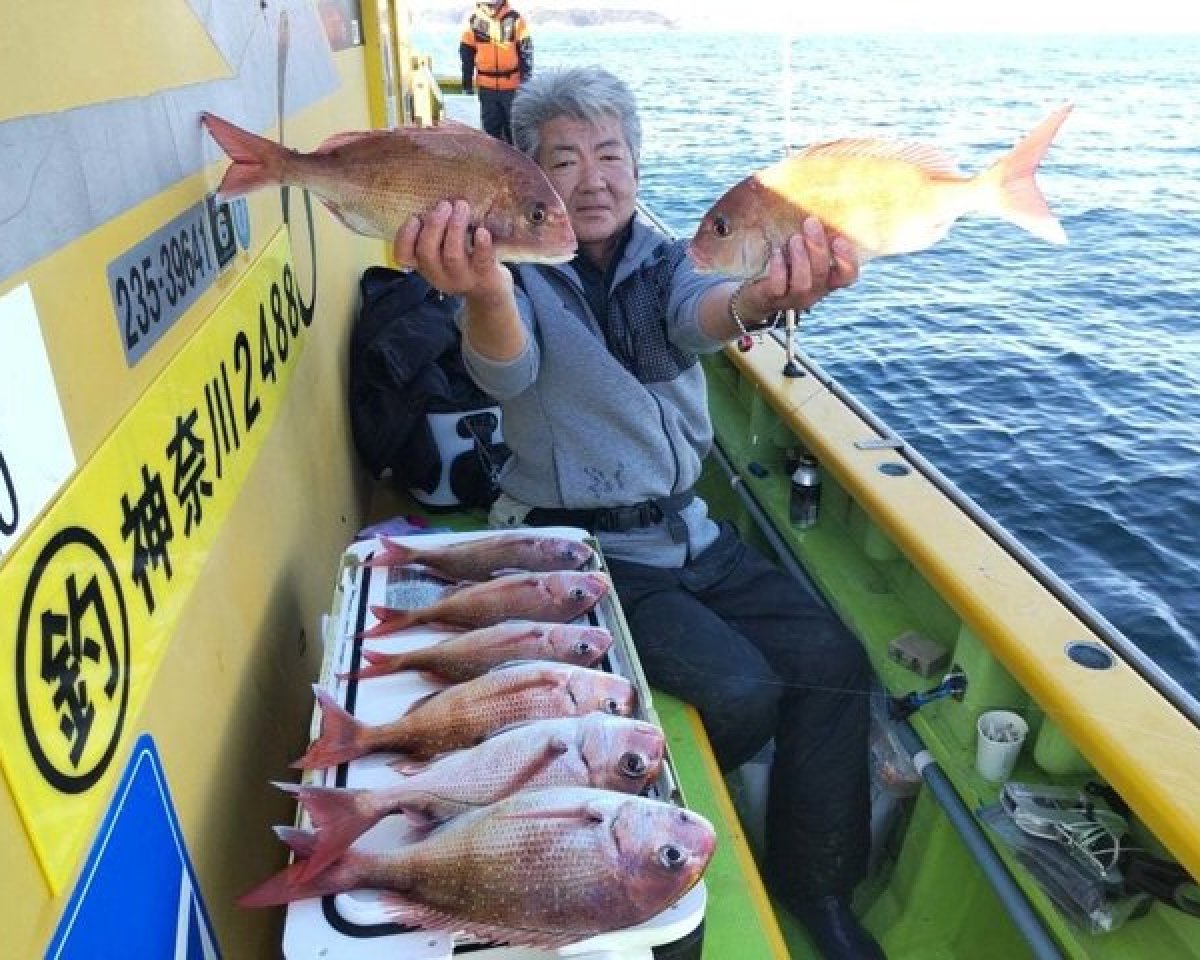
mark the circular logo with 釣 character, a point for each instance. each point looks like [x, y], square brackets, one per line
[73, 660]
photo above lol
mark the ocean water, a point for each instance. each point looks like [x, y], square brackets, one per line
[1059, 387]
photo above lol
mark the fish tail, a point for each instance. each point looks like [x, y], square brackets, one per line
[1015, 194]
[257, 161]
[295, 882]
[391, 554]
[390, 621]
[378, 665]
[341, 816]
[341, 738]
[396, 554]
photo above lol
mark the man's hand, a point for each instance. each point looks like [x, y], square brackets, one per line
[811, 265]
[436, 246]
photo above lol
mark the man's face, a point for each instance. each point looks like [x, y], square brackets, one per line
[592, 169]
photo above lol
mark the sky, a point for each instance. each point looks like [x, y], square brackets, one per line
[1010, 16]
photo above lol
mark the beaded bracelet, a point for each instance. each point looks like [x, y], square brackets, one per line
[769, 322]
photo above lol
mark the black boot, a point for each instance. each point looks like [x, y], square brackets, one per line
[835, 930]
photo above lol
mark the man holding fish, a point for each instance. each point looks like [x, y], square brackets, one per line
[596, 365]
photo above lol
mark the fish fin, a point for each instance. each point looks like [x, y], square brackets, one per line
[549, 674]
[422, 700]
[340, 816]
[390, 554]
[257, 161]
[346, 138]
[340, 740]
[582, 812]
[412, 914]
[295, 883]
[410, 768]
[391, 620]
[378, 665]
[506, 571]
[453, 584]
[928, 158]
[1014, 192]
[287, 786]
[300, 842]
[552, 748]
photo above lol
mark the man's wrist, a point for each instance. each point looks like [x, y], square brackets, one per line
[746, 321]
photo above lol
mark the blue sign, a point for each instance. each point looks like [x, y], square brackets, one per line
[137, 895]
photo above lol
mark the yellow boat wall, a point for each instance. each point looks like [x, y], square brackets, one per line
[177, 478]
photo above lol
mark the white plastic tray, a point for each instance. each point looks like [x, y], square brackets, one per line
[353, 926]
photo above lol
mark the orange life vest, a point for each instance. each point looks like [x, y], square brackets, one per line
[496, 37]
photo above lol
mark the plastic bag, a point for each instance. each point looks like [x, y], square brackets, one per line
[891, 765]
[1091, 902]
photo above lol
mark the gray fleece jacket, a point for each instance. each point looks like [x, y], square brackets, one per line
[606, 412]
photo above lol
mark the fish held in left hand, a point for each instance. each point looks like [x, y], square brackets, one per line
[374, 180]
[886, 197]
[543, 868]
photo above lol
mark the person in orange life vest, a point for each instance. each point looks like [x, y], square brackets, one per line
[497, 57]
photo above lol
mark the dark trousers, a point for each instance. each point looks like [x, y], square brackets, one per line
[495, 112]
[743, 642]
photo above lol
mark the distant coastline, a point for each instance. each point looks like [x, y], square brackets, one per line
[557, 17]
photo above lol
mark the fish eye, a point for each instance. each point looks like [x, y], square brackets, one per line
[632, 765]
[577, 593]
[537, 215]
[583, 648]
[671, 857]
[721, 226]
[611, 706]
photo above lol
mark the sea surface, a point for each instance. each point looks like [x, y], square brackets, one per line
[1059, 387]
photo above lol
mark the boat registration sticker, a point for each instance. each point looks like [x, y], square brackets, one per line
[153, 284]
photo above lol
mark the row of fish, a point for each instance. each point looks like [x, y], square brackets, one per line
[885, 196]
[520, 778]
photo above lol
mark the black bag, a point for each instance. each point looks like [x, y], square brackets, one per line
[405, 374]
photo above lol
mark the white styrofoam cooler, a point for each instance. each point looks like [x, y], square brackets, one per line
[353, 926]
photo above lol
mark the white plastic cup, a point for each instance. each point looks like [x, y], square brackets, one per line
[1001, 734]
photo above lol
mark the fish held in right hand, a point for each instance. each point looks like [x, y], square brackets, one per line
[373, 181]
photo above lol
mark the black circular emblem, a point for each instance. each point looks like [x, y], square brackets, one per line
[72, 658]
